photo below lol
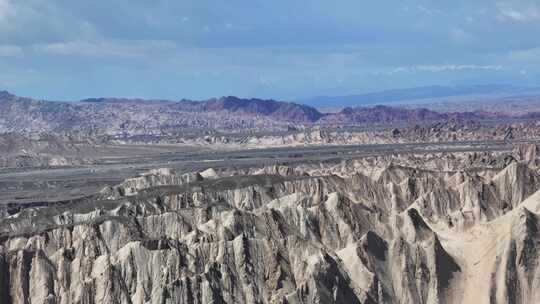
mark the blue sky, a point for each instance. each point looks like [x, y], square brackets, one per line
[284, 49]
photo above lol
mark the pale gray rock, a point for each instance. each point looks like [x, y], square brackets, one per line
[377, 232]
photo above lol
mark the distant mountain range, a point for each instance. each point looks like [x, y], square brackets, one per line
[384, 114]
[122, 117]
[279, 110]
[424, 95]
[136, 117]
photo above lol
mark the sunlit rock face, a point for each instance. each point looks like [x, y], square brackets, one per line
[460, 228]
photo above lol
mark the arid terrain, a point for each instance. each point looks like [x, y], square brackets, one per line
[269, 152]
[234, 200]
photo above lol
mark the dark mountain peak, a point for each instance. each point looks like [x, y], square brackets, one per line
[383, 114]
[234, 99]
[279, 110]
[347, 111]
[95, 100]
[6, 95]
[389, 114]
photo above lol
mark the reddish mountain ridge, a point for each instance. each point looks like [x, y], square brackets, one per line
[131, 117]
[386, 114]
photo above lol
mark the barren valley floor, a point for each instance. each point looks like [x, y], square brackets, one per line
[41, 184]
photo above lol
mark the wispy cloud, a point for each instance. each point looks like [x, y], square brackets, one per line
[427, 10]
[518, 11]
[102, 48]
[527, 56]
[4, 8]
[442, 68]
[10, 51]
[15, 77]
[457, 67]
[458, 34]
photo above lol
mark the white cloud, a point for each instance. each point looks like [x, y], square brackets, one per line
[104, 48]
[442, 68]
[265, 81]
[5, 8]
[528, 56]
[10, 51]
[25, 22]
[459, 35]
[427, 10]
[457, 67]
[518, 11]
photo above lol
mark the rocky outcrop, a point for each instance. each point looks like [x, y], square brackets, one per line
[377, 232]
[21, 151]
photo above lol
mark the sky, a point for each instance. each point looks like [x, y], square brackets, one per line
[281, 49]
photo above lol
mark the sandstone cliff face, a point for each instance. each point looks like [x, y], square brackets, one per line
[368, 231]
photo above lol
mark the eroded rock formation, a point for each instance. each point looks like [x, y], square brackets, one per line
[379, 230]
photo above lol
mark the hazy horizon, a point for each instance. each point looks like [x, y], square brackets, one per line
[397, 96]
